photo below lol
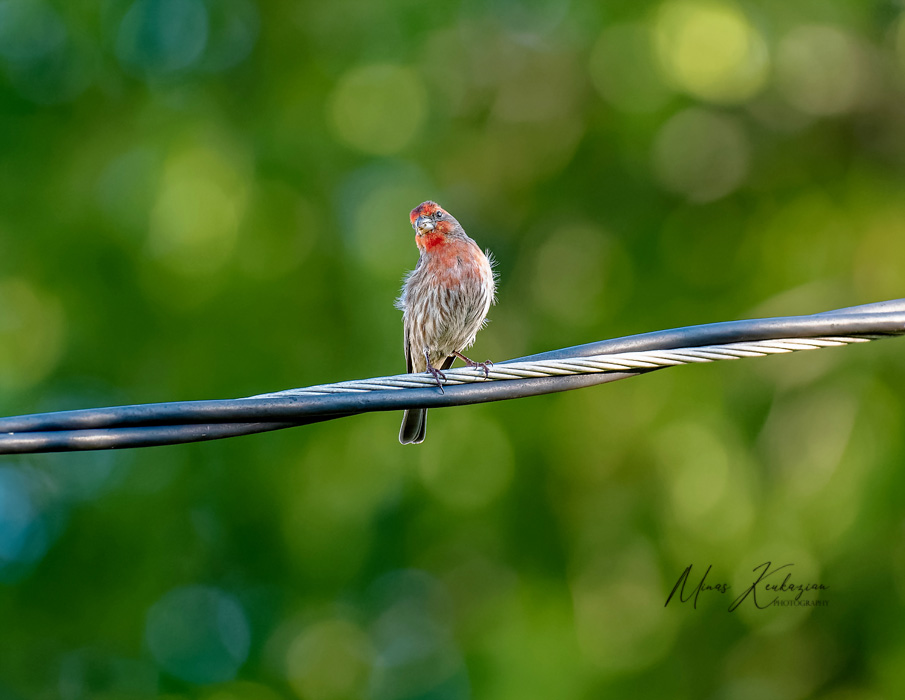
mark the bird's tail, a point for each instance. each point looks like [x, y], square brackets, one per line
[414, 423]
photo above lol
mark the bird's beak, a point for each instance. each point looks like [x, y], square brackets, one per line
[423, 224]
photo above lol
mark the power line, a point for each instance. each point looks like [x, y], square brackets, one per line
[576, 367]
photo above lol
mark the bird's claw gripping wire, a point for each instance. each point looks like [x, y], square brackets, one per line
[471, 363]
[437, 374]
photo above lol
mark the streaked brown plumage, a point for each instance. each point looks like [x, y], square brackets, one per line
[444, 302]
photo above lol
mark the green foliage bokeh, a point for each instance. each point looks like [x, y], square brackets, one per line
[209, 199]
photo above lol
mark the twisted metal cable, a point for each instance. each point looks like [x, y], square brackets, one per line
[607, 362]
[145, 425]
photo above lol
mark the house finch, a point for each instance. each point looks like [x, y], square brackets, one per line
[444, 302]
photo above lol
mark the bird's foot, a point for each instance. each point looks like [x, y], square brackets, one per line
[437, 375]
[471, 363]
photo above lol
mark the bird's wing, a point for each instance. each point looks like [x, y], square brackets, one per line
[407, 347]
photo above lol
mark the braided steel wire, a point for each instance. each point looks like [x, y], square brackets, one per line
[611, 362]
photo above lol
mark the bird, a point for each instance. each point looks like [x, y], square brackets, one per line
[444, 303]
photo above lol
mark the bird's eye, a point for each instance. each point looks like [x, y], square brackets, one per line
[438, 214]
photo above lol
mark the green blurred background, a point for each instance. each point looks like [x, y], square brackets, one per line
[209, 199]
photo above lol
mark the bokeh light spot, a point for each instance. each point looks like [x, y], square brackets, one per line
[31, 334]
[619, 615]
[383, 238]
[378, 108]
[279, 231]
[821, 70]
[707, 481]
[541, 89]
[196, 215]
[22, 535]
[700, 481]
[373, 210]
[29, 29]
[711, 50]
[806, 437]
[624, 70]
[595, 264]
[416, 655]
[877, 269]
[465, 473]
[44, 63]
[240, 690]
[125, 189]
[524, 18]
[84, 476]
[332, 495]
[701, 154]
[234, 26]
[900, 41]
[162, 36]
[510, 156]
[30, 520]
[198, 634]
[329, 660]
[806, 238]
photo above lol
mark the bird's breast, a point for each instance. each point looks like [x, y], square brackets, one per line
[458, 262]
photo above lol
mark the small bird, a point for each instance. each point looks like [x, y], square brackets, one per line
[444, 302]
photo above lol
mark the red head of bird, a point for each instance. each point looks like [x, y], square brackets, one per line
[433, 225]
